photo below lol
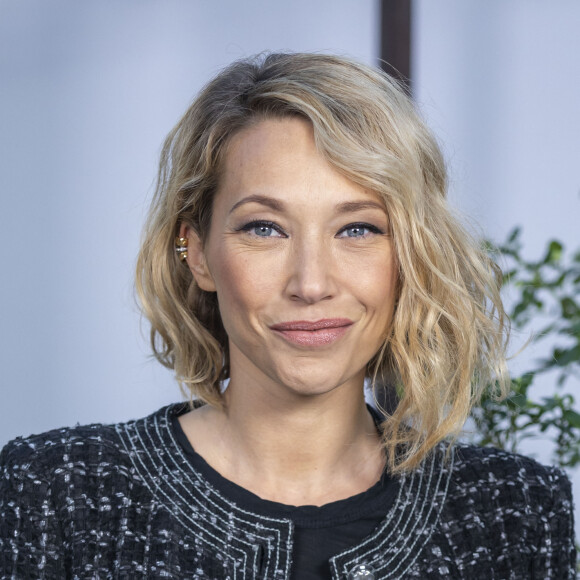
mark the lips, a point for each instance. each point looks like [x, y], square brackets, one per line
[313, 333]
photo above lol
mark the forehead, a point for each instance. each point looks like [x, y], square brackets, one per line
[279, 157]
[268, 146]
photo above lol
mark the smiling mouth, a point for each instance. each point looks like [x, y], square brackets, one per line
[311, 334]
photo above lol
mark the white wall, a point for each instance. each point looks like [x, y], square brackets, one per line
[88, 91]
[499, 81]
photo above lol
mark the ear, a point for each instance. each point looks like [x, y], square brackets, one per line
[196, 259]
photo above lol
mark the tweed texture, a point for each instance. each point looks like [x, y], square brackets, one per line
[123, 501]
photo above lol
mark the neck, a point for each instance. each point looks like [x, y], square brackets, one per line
[289, 449]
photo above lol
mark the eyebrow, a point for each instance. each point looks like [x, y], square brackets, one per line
[352, 206]
[270, 202]
[277, 205]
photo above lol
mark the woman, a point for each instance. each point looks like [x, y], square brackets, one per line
[299, 243]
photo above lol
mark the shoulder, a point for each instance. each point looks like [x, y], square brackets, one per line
[56, 445]
[60, 488]
[70, 451]
[507, 492]
[508, 513]
[497, 470]
[54, 450]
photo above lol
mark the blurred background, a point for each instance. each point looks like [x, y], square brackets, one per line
[88, 90]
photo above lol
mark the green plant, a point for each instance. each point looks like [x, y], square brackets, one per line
[546, 290]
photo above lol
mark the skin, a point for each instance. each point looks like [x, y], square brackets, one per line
[292, 239]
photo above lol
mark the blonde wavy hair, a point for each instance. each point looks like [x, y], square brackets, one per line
[448, 334]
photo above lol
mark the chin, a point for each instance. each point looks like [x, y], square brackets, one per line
[312, 386]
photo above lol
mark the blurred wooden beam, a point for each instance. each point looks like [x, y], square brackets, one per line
[396, 16]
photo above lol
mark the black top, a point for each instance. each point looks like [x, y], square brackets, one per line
[125, 501]
[320, 532]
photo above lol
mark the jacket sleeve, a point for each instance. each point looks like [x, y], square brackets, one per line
[31, 543]
[556, 554]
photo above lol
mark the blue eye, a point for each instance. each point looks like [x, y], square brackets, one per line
[263, 229]
[358, 231]
[355, 232]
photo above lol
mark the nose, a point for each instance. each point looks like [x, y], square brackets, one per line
[312, 272]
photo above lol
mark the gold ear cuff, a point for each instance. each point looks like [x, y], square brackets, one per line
[181, 248]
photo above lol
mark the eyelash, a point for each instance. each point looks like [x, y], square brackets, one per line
[361, 225]
[267, 224]
[261, 224]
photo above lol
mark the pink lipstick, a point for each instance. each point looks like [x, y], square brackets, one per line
[313, 333]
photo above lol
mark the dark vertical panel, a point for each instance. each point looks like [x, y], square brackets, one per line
[396, 38]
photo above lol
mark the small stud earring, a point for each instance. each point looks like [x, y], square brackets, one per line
[181, 248]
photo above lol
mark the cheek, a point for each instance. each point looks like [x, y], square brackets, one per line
[243, 285]
[375, 278]
[387, 283]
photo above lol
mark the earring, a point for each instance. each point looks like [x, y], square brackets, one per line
[181, 248]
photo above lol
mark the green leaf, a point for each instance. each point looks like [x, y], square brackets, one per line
[572, 330]
[514, 235]
[519, 400]
[549, 403]
[554, 253]
[508, 276]
[546, 330]
[569, 308]
[572, 417]
[521, 384]
[565, 357]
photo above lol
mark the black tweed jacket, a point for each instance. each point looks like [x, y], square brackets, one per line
[123, 501]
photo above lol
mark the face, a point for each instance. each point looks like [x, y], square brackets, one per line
[302, 263]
